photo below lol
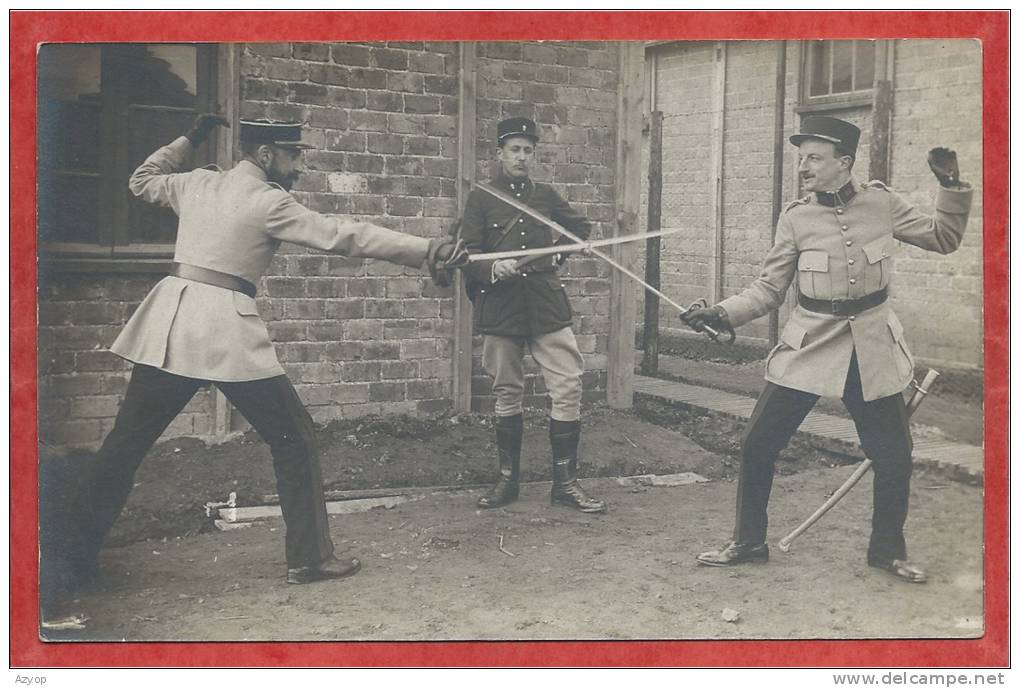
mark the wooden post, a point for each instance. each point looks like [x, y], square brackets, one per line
[650, 344]
[881, 114]
[718, 109]
[778, 144]
[622, 302]
[228, 90]
[462, 313]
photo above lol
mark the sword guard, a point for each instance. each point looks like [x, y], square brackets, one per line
[713, 334]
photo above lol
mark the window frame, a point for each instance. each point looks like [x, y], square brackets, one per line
[831, 101]
[217, 68]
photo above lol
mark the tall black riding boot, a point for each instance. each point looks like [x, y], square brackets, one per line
[509, 431]
[564, 437]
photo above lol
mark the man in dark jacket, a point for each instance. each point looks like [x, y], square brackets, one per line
[524, 307]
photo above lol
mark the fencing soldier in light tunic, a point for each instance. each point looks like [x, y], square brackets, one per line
[518, 309]
[842, 339]
[200, 325]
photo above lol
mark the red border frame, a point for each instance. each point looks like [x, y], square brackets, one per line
[29, 28]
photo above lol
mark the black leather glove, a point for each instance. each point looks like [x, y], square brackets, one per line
[204, 124]
[942, 162]
[445, 255]
[713, 316]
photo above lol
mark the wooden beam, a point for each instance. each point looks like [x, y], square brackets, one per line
[650, 343]
[622, 302]
[718, 110]
[881, 114]
[466, 160]
[228, 99]
[778, 146]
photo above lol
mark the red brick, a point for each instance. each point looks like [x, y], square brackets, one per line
[366, 287]
[358, 330]
[406, 124]
[387, 391]
[421, 145]
[422, 186]
[501, 50]
[399, 370]
[255, 89]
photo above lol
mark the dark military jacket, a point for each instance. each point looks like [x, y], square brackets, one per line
[534, 302]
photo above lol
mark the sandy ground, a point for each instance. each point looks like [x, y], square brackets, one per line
[434, 569]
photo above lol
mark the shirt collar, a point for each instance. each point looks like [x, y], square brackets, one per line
[840, 196]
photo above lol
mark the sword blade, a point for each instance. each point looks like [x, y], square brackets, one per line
[568, 248]
[555, 226]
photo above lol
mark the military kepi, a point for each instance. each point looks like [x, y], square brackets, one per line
[844, 134]
[517, 126]
[268, 132]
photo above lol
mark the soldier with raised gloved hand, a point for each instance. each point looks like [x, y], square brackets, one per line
[200, 325]
[843, 339]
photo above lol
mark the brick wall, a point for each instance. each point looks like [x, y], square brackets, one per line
[937, 101]
[356, 336]
[81, 383]
[569, 89]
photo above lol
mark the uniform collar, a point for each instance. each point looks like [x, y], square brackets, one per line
[840, 196]
[250, 169]
[514, 185]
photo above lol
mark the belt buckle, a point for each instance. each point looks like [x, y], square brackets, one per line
[835, 306]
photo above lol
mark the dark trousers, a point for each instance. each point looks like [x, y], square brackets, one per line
[153, 399]
[885, 438]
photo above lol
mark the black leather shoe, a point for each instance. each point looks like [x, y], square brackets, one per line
[330, 569]
[501, 494]
[899, 568]
[736, 553]
[571, 494]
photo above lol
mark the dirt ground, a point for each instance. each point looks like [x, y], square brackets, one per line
[433, 567]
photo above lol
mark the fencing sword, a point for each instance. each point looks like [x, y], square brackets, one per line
[556, 227]
[920, 392]
[568, 248]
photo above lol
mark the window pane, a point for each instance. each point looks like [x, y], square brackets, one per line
[818, 60]
[68, 208]
[69, 107]
[147, 131]
[842, 66]
[158, 74]
[864, 72]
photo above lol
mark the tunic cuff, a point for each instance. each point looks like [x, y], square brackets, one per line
[954, 201]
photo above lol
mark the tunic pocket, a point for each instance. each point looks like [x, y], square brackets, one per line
[813, 267]
[245, 305]
[904, 359]
[791, 339]
[879, 256]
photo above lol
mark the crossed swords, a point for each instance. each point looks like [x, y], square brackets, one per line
[591, 247]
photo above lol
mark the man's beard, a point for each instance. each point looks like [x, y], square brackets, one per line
[285, 181]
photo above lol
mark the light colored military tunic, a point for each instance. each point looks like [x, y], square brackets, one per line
[231, 222]
[845, 252]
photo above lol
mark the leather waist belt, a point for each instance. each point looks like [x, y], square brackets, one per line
[844, 307]
[213, 277]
